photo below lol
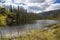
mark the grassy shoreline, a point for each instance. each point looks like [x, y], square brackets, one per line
[49, 33]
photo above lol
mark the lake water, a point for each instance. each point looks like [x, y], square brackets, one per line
[23, 29]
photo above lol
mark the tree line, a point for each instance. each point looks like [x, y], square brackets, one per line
[21, 16]
[16, 16]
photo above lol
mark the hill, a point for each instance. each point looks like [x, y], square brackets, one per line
[50, 14]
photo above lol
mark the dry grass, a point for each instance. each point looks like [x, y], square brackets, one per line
[50, 33]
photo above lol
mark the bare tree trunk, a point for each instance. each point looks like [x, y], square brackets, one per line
[11, 8]
[17, 17]
[0, 36]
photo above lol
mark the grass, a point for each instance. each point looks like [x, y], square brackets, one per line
[50, 33]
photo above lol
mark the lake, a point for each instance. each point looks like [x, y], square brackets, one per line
[23, 29]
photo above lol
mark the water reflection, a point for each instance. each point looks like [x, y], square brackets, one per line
[24, 29]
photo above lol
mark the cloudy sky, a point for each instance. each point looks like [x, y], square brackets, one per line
[34, 5]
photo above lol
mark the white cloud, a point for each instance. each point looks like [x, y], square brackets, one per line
[38, 8]
[50, 1]
[19, 1]
[53, 7]
[2, 1]
[36, 1]
[36, 5]
[7, 1]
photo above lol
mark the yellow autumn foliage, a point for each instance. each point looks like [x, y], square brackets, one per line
[3, 20]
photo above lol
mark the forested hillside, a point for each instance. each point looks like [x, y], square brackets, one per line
[16, 17]
[21, 16]
[4, 16]
[54, 14]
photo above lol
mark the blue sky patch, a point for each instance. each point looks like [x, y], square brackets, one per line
[57, 1]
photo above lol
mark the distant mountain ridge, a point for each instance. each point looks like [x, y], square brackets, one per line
[49, 14]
